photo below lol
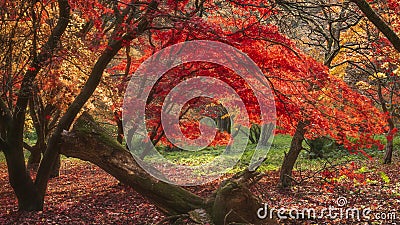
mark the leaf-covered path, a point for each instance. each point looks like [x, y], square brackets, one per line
[84, 194]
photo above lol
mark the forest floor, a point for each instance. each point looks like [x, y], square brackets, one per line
[84, 194]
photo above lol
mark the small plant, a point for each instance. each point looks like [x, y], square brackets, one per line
[321, 147]
[348, 176]
[385, 178]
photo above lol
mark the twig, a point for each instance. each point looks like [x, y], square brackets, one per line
[174, 217]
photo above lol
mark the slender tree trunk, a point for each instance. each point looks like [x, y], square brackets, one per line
[292, 155]
[120, 129]
[389, 152]
[52, 151]
[35, 151]
[35, 157]
[389, 144]
[55, 169]
[3, 128]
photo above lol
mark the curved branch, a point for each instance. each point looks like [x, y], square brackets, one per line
[90, 142]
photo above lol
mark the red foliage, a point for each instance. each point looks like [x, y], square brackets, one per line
[344, 176]
[303, 88]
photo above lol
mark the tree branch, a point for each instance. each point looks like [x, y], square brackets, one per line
[90, 142]
[379, 23]
[6, 112]
[28, 147]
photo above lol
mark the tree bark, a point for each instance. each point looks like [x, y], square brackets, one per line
[389, 152]
[292, 155]
[389, 145]
[120, 127]
[89, 142]
[267, 130]
[20, 180]
[234, 203]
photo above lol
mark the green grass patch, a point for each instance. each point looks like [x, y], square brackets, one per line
[275, 156]
[281, 144]
[2, 157]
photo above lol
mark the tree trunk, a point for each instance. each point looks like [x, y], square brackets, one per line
[3, 128]
[120, 129]
[34, 157]
[55, 170]
[389, 152]
[389, 144]
[65, 122]
[35, 151]
[292, 155]
[20, 179]
[267, 130]
[232, 202]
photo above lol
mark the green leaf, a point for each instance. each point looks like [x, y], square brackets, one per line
[384, 177]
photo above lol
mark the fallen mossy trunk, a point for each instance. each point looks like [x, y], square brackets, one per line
[231, 203]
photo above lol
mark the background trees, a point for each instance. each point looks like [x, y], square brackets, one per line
[14, 102]
[327, 29]
[373, 68]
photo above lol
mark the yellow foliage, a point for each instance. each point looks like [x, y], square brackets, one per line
[339, 71]
[225, 116]
[397, 72]
[363, 85]
[377, 75]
